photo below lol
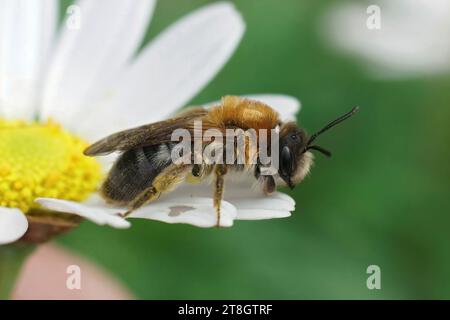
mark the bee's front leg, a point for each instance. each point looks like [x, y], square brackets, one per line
[219, 170]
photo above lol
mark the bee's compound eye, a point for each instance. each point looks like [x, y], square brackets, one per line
[285, 161]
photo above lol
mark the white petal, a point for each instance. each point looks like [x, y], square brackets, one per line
[262, 214]
[255, 205]
[96, 214]
[88, 58]
[13, 225]
[190, 210]
[187, 208]
[246, 199]
[171, 70]
[26, 32]
[258, 200]
[197, 211]
[414, 38]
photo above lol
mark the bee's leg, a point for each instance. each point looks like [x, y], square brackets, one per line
[197, 170]
[269, 185]
[166, 181]
[219, 170]
[146, 196]
[257, 172]
[196, 175]
[267, 182]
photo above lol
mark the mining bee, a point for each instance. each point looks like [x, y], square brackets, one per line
[145, 169]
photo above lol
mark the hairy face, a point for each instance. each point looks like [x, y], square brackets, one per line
[295, 161]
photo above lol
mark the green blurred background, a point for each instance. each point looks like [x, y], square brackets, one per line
[382, 199]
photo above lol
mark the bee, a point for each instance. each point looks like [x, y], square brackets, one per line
[145, 170]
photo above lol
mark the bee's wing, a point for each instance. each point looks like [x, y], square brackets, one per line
[146, 135]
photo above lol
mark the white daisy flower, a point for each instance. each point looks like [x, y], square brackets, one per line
[413, 38]
[60, 92]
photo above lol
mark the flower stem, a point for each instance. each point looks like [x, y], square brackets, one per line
[12, 258]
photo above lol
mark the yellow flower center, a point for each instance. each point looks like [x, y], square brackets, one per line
[43, 160]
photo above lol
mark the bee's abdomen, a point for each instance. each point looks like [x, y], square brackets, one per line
[134, 171]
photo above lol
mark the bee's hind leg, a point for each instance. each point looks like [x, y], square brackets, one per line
[220, 170]
[166, 181]
[146, 196]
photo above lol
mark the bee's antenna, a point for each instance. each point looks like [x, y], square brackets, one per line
[320, 149]
[331, 125]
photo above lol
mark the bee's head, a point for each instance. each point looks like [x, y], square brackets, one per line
[295, 145]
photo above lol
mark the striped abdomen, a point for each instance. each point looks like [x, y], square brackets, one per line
[134, 171]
